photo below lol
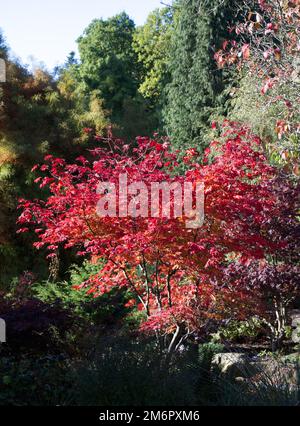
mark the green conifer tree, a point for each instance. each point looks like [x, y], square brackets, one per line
[196, 90]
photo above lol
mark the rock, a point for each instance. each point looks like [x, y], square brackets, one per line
[295, 317]
[240, 380]
[230, 364]
[292, 358]
[268, 372]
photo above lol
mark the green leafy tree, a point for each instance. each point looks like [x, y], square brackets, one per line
[81, 109]
[109, 71]
[108, 61]
[151, 42]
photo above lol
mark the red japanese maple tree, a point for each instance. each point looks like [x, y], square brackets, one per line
[169, 268]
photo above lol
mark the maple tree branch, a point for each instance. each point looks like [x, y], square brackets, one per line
[132, 285]
[144, 267]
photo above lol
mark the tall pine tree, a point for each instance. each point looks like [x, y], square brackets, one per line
[196, 90]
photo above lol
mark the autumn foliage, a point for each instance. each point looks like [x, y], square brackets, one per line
[265, 43]
[173, 272]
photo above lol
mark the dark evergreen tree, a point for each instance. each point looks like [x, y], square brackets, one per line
[196, 90]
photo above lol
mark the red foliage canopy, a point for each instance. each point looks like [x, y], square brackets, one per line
[169, 268]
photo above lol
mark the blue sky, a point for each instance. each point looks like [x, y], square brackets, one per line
[46, 31]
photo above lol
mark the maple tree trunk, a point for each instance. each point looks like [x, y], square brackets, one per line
[177, 338]
[280, 325]
[54, 267]
[278, 329]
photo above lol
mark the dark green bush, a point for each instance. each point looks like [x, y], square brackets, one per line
[34, 381]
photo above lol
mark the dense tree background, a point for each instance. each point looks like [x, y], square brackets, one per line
[127, 81]
[165, 78]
